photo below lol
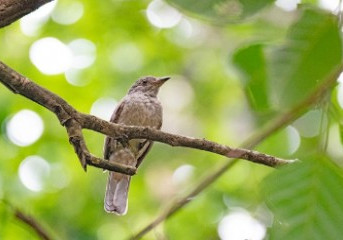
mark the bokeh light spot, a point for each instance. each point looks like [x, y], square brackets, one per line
[187, 33]
[31, 24]
[340, 95]
[335, 144]
[75, 77]
[331, 5]
[67, 13]
[83, 51]
[287, 5]
[240, 225]
[340, 78]
[310, 123]
[294, 139]
[182, 174]
[180, 91]
[24, 128]
[50, 56]
[33, 173]
[103, 108]
[162, 15]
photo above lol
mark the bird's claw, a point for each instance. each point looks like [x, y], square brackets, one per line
[123, 140]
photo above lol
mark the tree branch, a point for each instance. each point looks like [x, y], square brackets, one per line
[12, 10]
[64, 112]
[33, 223]
[277, 124]
[28, 220]
[132, 132]
[74, 121]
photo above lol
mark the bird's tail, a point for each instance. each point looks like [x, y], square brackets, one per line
[117, 193]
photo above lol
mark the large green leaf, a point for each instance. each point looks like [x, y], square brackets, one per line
[285, 76]
[306, 199]
[313, 49]
[221, 11]
[252, 63]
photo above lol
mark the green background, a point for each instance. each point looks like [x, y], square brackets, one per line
[241, 64]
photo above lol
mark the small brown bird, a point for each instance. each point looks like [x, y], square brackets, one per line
[140, 107]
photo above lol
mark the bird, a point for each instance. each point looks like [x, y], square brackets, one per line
[140, 107]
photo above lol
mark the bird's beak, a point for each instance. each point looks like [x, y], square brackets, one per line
[162, 80]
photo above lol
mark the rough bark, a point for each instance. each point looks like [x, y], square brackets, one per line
[12, 10]
[75, 121]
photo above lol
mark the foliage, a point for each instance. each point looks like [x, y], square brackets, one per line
[227, 81]
[306, 200]
[220, 11]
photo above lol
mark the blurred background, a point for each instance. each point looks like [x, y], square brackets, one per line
[90, 53]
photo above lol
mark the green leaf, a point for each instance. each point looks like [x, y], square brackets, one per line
[336, 112]
[252, 63]
[221, 11]
[313, 49]
[306, 199]
[5, 215]
[341, 132]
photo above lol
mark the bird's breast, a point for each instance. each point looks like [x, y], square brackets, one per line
[142, 110]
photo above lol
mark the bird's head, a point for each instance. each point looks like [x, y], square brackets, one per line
[148, 85]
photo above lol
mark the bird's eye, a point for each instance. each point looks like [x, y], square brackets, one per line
[144, 82]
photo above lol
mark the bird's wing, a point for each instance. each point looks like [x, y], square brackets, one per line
[109, 142]
[144, 148]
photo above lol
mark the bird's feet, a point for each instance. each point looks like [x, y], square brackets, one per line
[123, 140]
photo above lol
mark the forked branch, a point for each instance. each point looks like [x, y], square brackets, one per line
[75, 121]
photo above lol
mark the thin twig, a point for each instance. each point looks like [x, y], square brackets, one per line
[177, 204]
[33, 223]
[280, 122]
[28, 220]
[74, 122]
